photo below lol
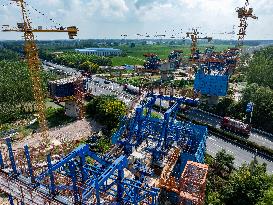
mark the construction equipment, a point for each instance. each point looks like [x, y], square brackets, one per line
[32, 57]
[243, 14]
[71, 91]
[194, 37]
[152, 63]
[175, 58]
[193, 183]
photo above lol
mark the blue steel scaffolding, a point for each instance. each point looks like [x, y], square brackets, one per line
[84, 177]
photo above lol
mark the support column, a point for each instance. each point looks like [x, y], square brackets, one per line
[11, 157]
[74, 181]
[1, 161]
[51, 176]
[120, 188]
[30, 169]
[213, 100]
[97, 189]
[82, 163]
[11, 200]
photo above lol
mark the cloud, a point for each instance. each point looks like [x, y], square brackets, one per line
[147, 3]
[111, 18]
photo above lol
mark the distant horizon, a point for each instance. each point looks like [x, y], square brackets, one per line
[135, 39]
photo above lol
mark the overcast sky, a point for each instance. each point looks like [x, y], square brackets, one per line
[111, 18]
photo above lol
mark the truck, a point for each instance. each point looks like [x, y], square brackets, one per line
[131, 89]
[236, 126]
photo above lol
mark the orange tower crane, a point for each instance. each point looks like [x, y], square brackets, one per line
[32, 57]
[243, 14]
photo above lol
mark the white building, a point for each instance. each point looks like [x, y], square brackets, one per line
[100, 51]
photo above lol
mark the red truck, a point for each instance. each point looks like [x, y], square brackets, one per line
[235, 126]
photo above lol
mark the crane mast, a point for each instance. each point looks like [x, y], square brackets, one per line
[243, 14]
[194, 38]
[34, 64]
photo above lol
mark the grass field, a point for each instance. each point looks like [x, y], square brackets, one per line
[135, 55]
[118, 61]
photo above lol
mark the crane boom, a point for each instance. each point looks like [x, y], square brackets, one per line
[34, 64]
[69, 30]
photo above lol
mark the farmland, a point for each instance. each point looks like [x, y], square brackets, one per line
[134, 55]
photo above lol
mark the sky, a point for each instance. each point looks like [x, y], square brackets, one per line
[113, 18]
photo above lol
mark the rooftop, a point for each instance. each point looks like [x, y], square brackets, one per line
[98, 49]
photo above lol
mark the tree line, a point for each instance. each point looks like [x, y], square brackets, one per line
[16, 97]
[89, 63]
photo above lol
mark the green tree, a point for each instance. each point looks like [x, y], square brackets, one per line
[223, 164]
[260, 68]
[267, 199]
[223, 106]
[246, 185]
[213, 198]
[16, 96]
[7, 54]
[220, 169]
[15, 89]
[86, 66]
[262, 98]
[78, 60]
[107, 110]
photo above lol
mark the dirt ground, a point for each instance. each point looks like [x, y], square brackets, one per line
[78, 130]
[4, 201]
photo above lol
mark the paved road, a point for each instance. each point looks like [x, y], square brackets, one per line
[241, 155]
[97, 87]
[61, 69]
[259, 138]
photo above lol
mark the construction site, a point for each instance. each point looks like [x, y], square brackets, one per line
[150, 160]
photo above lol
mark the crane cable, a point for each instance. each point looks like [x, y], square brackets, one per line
[38, 11]
[43, 14]
[6, 4]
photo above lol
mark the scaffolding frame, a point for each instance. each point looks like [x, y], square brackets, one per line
[193, 183]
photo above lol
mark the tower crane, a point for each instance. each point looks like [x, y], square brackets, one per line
[194, 37]
[31, 52]
[243, 14]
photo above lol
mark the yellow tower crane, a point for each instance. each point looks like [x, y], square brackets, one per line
[31, 52]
